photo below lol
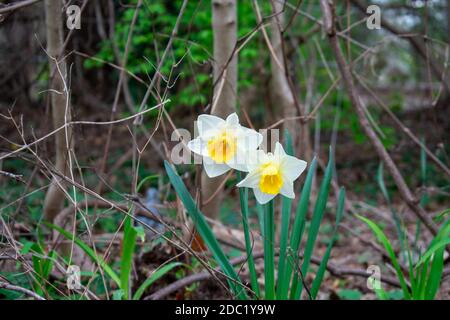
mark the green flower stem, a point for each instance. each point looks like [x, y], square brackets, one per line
[243, 196]
[269, 258]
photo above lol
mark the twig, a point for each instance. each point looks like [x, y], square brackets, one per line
[7, 286]
[202, 276]
[17, 177]
[26, 146]
[414, 41]
[17, 5]
[117, 96]
[166, 50]
[405, 192]
[405, 129]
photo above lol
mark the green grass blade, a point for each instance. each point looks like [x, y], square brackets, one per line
[269, 257]
[435, 276]
[126, 259]
[40, 281]
[380, 292]
[413, 278]
[387, 245]
[435, 247]
[243, 197]
[418, 292]
[160, 272]
[424, 197]
[423, 163]
[382, 185]
[444, 233]
[299, 226]
[48, 263]
[395, 217]
[437, 264]
[205, 231]
[319, 210]
[283, 283]
[323, 264]
[83, 246]
[141, 183]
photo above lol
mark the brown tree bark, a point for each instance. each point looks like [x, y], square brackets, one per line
[224, 24]
[54, 199]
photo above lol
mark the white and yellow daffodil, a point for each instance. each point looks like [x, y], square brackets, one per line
[223, 144]
[271, 174]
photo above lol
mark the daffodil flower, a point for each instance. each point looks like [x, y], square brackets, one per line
[223, 144]
[271, 174]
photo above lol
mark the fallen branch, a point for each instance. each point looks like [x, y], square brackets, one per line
[7, 286]
[17, 5]
[202, 276]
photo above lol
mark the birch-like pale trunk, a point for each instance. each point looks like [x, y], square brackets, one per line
[54, 199]
[224, 24]
[282, 94]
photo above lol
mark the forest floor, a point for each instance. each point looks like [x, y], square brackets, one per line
[355, 248]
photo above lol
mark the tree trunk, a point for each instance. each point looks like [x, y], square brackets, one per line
[282, 94]
[54, 199]
[224, 24]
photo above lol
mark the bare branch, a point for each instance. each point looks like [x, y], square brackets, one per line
[202, 276]
[17, 5]
[7, 286]
[347, 78]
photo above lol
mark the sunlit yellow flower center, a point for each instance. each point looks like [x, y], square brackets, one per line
[271, 180]
[223, 147]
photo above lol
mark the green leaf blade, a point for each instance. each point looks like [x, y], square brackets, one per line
[205, 231]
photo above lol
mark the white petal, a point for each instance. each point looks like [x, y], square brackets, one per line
[198, 146]
[249, 139]
[215, 169]
[239, 160]
[207, 122]
[262, 197]
[255, 159]
[233, 119]
[279, 150]
[287, 189]
[238, 164]
[251, 180]
[292, 167]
